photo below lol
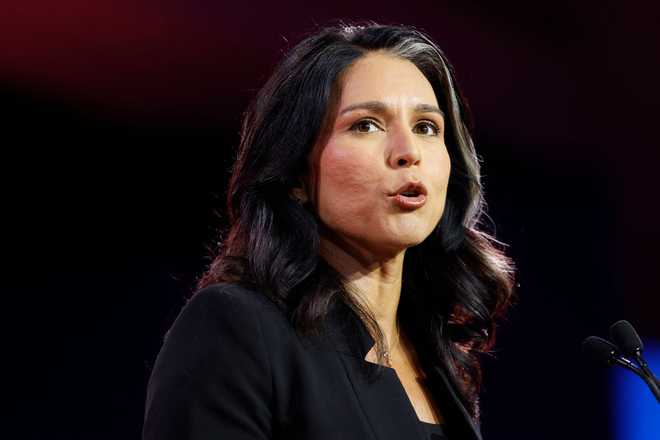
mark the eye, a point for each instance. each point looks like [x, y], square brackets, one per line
[427, 128]
[365, 126]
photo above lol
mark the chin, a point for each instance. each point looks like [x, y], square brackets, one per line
[410, 233]
[406, 239]
[412, 242]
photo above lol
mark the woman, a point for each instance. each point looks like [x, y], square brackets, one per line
[354, 292]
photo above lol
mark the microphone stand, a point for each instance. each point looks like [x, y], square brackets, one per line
[646, 374]
[629, 343]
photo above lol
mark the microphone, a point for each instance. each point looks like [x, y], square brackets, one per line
[604, 352]
[628, 344]
[626, 338]
[600, 350]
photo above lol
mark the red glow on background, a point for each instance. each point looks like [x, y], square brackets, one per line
[130, 55]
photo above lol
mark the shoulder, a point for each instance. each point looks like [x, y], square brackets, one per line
[223, 315]
[218, 297]
[214, 361]
[228, 302]
[220, 316]
[222, 327]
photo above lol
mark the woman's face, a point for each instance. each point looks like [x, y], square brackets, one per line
[380, 179]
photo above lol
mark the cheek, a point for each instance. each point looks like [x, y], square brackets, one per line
[439, 179]
[443, 171]
[347, 184]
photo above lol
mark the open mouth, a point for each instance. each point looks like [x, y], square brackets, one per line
[410, 196]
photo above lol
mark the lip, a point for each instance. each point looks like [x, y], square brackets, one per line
[410, 203]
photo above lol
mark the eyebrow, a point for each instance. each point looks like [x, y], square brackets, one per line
[381, 107]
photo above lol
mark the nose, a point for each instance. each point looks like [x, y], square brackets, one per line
[403, 151]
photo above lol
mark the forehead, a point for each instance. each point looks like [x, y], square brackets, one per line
[387, 78]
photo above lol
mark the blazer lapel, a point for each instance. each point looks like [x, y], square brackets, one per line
[465, 426]
[384, 401]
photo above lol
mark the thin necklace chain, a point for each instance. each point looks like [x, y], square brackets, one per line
[388, 353]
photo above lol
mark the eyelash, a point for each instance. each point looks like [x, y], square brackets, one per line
[435, 128]
[431, 124]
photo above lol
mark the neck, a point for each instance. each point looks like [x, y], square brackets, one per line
[374, 279]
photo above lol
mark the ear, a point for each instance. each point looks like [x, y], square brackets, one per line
[299, 193]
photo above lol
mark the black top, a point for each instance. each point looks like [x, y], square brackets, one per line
[434, 431]
[233, 367]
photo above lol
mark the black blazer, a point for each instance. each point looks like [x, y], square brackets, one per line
[232, 367]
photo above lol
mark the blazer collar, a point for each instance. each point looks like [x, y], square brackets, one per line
[385, 397]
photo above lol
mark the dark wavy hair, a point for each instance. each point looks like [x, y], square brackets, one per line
[456, 283]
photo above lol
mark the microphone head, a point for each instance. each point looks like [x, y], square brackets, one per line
[600, 350]
[625, 337]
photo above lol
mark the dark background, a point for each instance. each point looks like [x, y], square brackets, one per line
[119, 122]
